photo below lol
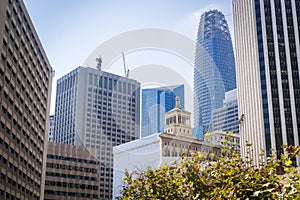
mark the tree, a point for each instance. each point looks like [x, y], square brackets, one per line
[230, 177]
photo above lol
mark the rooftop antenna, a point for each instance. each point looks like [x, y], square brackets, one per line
[126, 71]
[99, 62]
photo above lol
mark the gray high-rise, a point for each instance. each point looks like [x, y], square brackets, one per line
[99, 110]
[267, 56]
[25, 90]
[214, 70]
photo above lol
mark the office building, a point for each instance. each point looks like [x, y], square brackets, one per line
[72, 172]
[25, 90]
[51, 128]
[155, 103]
[160, 148]
[214, 70]
[226, 118]
[224, 139]
[98, 110]
[267, 56]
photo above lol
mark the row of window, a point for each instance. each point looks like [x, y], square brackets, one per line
[49, 156]
[112, 84]
[70, 194]
[71, 185]
[71, 176]
[71, 167]
[8, 196]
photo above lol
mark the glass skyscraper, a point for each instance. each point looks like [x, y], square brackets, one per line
[214, 70]
[155, 103]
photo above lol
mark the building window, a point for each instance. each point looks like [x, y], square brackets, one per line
[167, 153]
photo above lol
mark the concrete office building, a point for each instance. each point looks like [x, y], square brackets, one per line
[267, 56]
[160, 148]
[226, 118]
[214, 70]
[99, 110]
[223, 139]
[51, 128]
[155, 103]
[72, 172]
[25, 90]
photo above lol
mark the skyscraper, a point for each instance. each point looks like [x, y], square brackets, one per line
[155, 103]
[25, 89]
[99, 110]
[214, 70]
[267, 55]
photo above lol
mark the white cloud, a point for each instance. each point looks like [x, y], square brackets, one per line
[188, 24]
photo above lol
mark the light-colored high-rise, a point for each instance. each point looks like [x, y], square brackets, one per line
[226, 118]
[99, 110]
[267, 57]
[25, 89]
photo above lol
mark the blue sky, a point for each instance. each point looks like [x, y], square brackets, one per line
[71, 29]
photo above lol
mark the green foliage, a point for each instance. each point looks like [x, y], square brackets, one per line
[230, 177]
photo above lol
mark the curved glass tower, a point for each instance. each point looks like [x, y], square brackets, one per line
[214, 70]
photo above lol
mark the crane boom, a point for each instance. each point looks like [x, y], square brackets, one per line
[126, 71]
[124, 63]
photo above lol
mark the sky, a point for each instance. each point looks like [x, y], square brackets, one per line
[70, 30]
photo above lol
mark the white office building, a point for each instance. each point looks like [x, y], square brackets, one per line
[99, 110]
[222, 138]
[267, 49]
[226, 118]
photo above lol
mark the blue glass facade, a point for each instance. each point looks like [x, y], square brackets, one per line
[155, 103]
[214, 70]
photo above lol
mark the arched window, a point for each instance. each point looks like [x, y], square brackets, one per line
[174, 153]
[167, 153]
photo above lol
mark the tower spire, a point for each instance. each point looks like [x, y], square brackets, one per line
[177, 102]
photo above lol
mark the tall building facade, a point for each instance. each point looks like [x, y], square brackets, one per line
[267, 55]
[214, 70]
[155, 103]
[99, 110]
[72, 172]
[226, 118]
[25, 89]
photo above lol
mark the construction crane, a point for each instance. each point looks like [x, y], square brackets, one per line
[126, 71]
